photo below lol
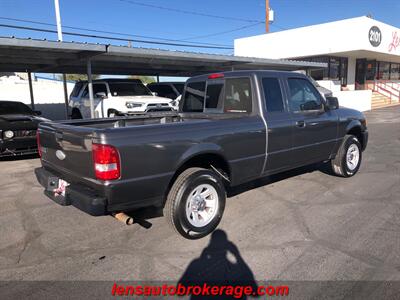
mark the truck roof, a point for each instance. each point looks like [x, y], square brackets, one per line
[246, 73]
[132, 80]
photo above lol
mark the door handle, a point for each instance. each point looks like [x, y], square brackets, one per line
[301, 124]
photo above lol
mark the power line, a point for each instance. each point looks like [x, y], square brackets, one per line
[222, 32]
[189, 12]
[113, 38]
[108, 32]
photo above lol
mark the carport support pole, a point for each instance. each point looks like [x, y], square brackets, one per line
[31, 90]
[65, 95]
[90, 87]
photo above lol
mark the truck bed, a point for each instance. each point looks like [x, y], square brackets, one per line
[118, 122]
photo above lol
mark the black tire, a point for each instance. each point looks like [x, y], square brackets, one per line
[178, 198]
[339, 165]
[76, 114]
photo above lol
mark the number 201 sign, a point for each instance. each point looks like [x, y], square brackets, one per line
[375, 36]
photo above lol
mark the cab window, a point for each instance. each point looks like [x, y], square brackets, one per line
[272, 95]
[303, 96]
[238, 95]
[194, 97]
[230, 95]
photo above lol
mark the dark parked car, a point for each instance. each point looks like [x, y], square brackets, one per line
[232, 128]
[171, 90]
[18, 125]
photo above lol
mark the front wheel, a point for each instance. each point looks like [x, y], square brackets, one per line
[195, 203]
[348, 159]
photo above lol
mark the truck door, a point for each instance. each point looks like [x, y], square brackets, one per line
[314, 127]
[279, 125]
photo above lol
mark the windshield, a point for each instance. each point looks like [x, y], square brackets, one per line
[314, 82]
[129, 89]
[179, 87]
[13, 108]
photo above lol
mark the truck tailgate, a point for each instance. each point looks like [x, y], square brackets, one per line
[67, 149]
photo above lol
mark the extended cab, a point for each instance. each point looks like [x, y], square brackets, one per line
[115, 97]
[232, 128]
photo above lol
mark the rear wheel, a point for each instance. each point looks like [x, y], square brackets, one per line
[195, 203]
[348, 159]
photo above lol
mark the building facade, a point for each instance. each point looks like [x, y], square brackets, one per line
[358, 51]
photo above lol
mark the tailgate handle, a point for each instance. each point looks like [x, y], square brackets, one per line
[59, 136]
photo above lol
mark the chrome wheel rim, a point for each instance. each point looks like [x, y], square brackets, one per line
[202, 205]
[352, 157]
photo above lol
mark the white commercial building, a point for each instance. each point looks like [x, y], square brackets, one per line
[361, 53]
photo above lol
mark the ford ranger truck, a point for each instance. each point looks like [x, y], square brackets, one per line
[231, 128]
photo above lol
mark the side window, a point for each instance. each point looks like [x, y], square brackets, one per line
[273, 95]
[303, 95]
[85, 93]
[99, 88]
[76, 90]
[238, 95]
[194, 97]
[214, 96]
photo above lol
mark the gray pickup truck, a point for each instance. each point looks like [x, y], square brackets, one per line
[231, 128]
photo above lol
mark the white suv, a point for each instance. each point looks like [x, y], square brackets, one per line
[115, 97]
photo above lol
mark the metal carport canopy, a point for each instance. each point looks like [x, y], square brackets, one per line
[20, 55]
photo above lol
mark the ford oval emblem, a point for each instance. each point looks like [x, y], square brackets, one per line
[60, 155]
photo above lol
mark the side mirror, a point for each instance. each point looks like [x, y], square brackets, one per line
[154, 93]
[101, 95]
[37, 112]
[332, 103]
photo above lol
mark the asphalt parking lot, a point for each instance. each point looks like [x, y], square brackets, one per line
[303, 225]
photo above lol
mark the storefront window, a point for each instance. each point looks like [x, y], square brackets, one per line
[394, 71]
[384, 70]
[343, 71]
[370, 70]
[334, 68]
[337, 68]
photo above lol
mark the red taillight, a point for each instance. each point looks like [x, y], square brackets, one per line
[106, 162]
[38, 143]
[216, 76]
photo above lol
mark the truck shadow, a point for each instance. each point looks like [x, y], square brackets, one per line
[141, 216]
[219, 264]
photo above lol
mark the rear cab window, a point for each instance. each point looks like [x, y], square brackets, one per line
[273, 95]
[222, 95]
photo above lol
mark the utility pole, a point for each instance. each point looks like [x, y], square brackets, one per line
[266, 16]
[60, 38]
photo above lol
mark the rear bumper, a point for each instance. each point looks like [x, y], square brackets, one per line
[81, 197]
[98, 200]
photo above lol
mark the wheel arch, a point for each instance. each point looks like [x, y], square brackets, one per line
[355, 128]
[207, 158]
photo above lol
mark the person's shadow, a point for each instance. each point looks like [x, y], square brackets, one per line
[220, 264]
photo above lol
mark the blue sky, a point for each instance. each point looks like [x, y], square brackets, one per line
[121, 16]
